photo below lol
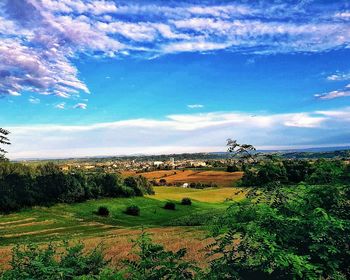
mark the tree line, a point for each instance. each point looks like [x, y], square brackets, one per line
[274, 170]
[25, 186]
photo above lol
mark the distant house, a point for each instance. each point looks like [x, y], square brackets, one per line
[65, 168]
[88, 167]
[198, 164]
[158, 163]
[185, 185]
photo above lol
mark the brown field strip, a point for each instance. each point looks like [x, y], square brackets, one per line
[46, 222]
[118, 243]
[32, 232]
[16, 222]
[221, 178]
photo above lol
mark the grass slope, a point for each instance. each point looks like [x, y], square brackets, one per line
[77, 220]
[212, 195]
[175, 229]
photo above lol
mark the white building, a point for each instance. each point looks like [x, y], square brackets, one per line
[158, 163]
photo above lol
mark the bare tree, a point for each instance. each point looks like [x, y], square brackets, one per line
[4, 140]
[243, 152]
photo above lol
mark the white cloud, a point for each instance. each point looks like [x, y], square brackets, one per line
[181, 133]
[80, 106]
[333, 94]
[195, 106]
[343, 15]
[339, 77]
[60, 106]
[40, 42]
[192, 46]
[86, 6]
[304, 120]
[343, 115]
[34, 100]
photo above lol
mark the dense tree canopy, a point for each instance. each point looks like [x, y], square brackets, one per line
[321, 171]
[23, 186]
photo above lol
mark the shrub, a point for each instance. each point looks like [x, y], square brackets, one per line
[133, 210]
[170, 206]
[162, 182]
[103, 211]
[232, 168]
[186, 201]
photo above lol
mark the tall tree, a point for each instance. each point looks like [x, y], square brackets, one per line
[4, 141]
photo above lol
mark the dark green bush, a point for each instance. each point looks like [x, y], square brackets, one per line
[232, 168]
[186, 201]
[170, 206]
[102, 211]
[133, 210]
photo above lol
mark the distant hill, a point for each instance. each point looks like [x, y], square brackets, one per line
[312, 153]
[314, 150]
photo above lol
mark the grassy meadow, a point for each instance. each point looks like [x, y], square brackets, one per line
[78, 221]
[212, 195]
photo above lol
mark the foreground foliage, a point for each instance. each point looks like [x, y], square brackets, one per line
[300, 232]
[54, 262]
[154, 262]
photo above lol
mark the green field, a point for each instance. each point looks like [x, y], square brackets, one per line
[66, 221]
[212, 195]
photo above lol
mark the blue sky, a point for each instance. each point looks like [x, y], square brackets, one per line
[93, 77]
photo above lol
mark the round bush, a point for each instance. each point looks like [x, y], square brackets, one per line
[186, 201]
[170, 206]
[133, 210]
[103, 211]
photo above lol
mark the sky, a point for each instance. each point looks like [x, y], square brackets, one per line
[103, 77]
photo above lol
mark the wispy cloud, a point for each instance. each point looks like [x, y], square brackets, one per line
[343, 15]
[338, 76]
[80, 106]
[34, 100]
[333, 94]
[182, 133]
[39, 42]
[60, 106]
[195, 106]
